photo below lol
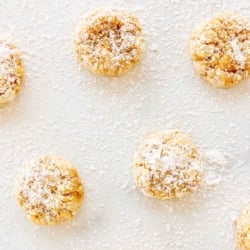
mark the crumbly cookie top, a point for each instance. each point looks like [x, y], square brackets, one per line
[221, 50]
[168, 165]
[110, 42]
[48, 186]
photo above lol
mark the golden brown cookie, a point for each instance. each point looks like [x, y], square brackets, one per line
[220, 50]
[110, 42]
[243, 229]
[167, 165]
[11, 72]
[50, 190]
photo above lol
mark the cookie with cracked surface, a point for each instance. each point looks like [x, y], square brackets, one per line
[50, 190]
[11, 72]
[221, 50]
[109, 42]
[243, 229]
[167, 166]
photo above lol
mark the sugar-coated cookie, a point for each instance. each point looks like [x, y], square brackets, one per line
[11, 72]
[220, 50]
[109, 42]
[50, 190]
[167, 165]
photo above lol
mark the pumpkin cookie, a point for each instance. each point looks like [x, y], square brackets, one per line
[11, 72]
[243, 229]
[50, 190]
[167, 165]
[110, 43]
[221, 50]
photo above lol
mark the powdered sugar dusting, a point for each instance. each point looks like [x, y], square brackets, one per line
[238, 55]
[152, 152]
[214, 163]
[37, 185]
[215, 158]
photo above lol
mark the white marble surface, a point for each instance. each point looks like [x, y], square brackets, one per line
[97, 122]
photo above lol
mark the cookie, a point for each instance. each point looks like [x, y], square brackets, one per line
[11, 72]
[243, 229]
[221, 50]
[167, 165]
[50, 190]
[109, 42]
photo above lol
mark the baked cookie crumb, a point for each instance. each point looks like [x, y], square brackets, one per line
[221, 50]
[110, 42]
[167, 165]
[50, 190]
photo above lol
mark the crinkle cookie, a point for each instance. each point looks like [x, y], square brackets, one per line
[50, 190]
[11, 72]
[167, 165]
[243, 229]
[110, 42]
[220, 50]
